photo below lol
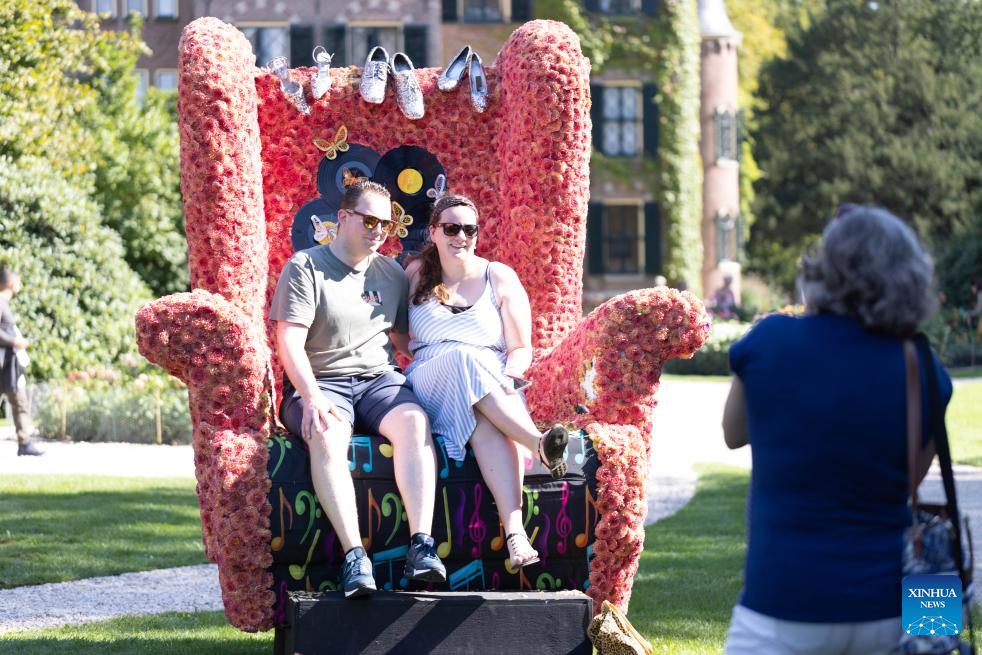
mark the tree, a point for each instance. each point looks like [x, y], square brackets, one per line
[68, 95]
[50, 53]
[137, 184]
[79, 295]
[874, 103]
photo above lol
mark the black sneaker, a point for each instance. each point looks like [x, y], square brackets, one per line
[422, 562]
[356, 574]
[28, 449]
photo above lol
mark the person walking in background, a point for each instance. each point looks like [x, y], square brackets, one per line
[13, 362]
[821, 400]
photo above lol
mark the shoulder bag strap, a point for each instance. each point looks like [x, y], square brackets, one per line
[914, 422]
[940, 434]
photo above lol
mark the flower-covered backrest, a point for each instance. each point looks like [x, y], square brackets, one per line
[524, 161]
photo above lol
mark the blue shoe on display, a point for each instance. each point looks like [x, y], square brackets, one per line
[356, 574]
[422, 562]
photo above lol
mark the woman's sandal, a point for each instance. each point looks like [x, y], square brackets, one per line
[552, 447]
[512, 547]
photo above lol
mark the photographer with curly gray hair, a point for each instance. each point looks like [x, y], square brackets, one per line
[821, 400]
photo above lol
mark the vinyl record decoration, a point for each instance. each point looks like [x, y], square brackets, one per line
[314, 224]
[409, 173]
[359, 161]
[412, 174]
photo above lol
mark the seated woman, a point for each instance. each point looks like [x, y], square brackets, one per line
[821, 400]
[470, 327]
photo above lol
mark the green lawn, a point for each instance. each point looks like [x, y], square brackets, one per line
[965, 422]
[163, 634]
[57, 528]
[966, 372]
[692, 567]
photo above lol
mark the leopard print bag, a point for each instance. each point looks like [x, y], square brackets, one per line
[612, 634]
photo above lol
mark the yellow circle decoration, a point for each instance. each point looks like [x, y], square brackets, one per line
[410, 180]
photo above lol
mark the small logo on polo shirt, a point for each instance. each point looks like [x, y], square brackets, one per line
[932, 605]
[372, 297]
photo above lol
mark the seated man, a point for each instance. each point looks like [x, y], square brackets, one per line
[336, 307]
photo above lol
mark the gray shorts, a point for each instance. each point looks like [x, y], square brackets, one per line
[362, 400]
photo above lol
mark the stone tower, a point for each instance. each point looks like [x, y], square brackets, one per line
[721, 221]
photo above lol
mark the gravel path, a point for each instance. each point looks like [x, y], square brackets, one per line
[184, 589]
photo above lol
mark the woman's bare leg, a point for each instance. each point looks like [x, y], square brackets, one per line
[502, 465]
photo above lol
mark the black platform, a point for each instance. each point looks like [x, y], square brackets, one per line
[477, 622]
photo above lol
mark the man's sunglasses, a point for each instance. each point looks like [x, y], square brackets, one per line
[453, 229]
[369, 221]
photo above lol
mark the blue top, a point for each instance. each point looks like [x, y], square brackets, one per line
[826, 412]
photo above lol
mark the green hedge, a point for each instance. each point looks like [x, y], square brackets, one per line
[713, 357]
[79, 296]
[108, 406]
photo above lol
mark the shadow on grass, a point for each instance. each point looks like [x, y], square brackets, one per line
[67, 528]
[691, 570]
[164, 634]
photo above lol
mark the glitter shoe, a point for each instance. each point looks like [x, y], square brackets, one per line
[375, 76]
[479, 84]
[455, 70]
[320, 81]
[291, 89]
[408, 94]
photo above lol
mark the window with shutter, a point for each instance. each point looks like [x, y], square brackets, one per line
[416, 44]
[482, 11]
[450, 12]
[336, 42]
[362, 38]
[621, 136]
[267, 41]
[166, 8]
[622, 239]
[725, 134]
[521, 11]
[301, 45]
[618, 7]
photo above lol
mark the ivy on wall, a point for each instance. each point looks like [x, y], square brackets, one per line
[664, 48]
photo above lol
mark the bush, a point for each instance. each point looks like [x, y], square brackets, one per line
[961, 263]
[111, 406]
[953, 339]
[79, 296]
[713, 357]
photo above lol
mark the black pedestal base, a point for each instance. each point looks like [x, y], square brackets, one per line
[545, 623]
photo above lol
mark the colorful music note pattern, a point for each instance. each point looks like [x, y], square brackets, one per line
[361, 441]
[463, 576]
[476, 528]
[389, 558]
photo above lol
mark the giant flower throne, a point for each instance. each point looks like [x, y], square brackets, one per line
[248, 162]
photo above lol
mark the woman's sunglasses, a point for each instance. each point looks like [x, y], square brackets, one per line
[369, 221]
[453, 229]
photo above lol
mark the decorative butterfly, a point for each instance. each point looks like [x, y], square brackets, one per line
[400, 216]
[323, 232]
[439, 188]
[338, 145]
[349, 178]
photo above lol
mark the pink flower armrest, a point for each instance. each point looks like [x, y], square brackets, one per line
[612, 361]
[210, 345]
